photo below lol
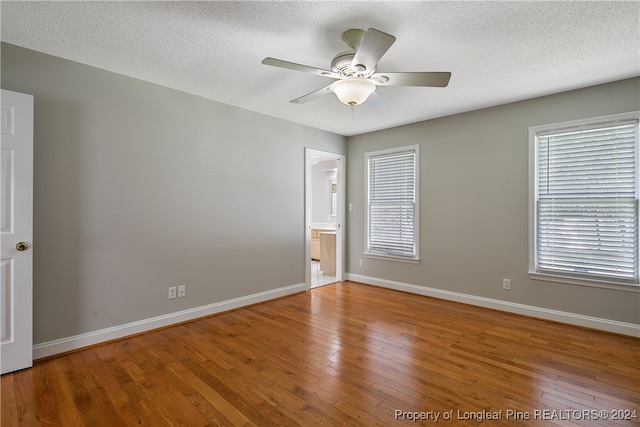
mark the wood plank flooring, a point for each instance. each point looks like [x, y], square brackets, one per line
[341, 355]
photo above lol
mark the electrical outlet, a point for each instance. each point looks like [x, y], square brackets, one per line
[172, 292]
[361, 263]
[506, 283]
[182, 291]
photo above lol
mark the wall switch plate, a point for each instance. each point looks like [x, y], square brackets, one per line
[172, 292]
[506, 283]
[361, 263]
[182, 291]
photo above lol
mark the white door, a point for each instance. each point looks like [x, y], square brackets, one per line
[16, 231]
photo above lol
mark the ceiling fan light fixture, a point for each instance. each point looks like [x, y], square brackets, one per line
[352, 91]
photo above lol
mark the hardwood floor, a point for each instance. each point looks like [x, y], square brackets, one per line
[343, 354]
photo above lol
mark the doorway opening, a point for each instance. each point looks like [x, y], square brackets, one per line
[324, 217]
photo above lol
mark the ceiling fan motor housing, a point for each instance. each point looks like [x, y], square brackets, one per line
[341, 64]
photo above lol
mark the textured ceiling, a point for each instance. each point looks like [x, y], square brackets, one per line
[497, 52]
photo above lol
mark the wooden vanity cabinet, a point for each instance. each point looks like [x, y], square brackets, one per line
[315, 245]
[316, 251]
[328, 253]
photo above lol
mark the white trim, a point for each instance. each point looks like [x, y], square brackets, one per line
[392, 258]
[75, 342]
[534, 275]
[586, 123]
[511, 307]
[309, 153]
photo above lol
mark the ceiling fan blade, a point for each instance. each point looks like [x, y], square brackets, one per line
[299, 67]
[433, 79]
[374, 44]
[311, 95]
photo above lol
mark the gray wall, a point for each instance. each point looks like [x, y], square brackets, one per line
[139, 187]
[474, 202]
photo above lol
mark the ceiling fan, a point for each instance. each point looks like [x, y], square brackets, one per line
[355, 70]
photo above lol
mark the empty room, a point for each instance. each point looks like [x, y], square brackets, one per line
[299, 213]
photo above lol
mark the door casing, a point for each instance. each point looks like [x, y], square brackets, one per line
[310, 154]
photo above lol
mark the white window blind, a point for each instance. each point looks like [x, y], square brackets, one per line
[392, 204]
[587, 202]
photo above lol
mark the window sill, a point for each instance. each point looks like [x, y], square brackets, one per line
[392, 258]
[583, 282]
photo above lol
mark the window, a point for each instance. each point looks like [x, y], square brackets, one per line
[392, 205]
[585, 201]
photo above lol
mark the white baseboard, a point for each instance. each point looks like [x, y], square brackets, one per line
[511, 307]
[75, 342]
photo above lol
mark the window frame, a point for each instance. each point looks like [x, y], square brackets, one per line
[415, 259]
[574, 125]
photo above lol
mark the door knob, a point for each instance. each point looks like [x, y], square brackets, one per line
[22, 246]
